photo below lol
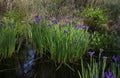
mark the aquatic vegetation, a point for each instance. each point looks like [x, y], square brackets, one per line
[60, 42]
[7, 42]
[64, 44]
[98, 69]
[75, 37]
[37, 19]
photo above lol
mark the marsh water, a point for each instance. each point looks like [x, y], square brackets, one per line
[29, 67]
[18, 67]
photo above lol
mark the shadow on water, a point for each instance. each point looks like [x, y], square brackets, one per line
[8, 68]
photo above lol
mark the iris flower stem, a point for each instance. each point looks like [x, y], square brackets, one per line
[104, 64]
[116, 69]
[99, 60]
[91, 61]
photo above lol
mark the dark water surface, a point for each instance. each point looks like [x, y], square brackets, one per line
[24, 69]
[29, 68]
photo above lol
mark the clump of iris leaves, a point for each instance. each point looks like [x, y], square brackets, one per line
[67, 40]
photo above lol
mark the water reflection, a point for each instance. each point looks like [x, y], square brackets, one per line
[26, 70]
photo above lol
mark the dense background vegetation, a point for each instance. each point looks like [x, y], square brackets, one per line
[62, 32]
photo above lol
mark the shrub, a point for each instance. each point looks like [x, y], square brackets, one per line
[95, 18]
[99, 40]
[113, 9]
[115, 47]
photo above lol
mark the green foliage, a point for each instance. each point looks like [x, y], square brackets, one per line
[41, 7]
[116, 69]
[15, 14]
[88, 3]
[89, 71]
[95, 18]
[65, 44]
[7, 42]
[99, 40]
[68, 46]
[115, 48]
[22, 30]
[38, 37]
[113, 9]
[97, 69]
[92, 69]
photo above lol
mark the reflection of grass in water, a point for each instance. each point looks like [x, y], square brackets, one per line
[26, 63]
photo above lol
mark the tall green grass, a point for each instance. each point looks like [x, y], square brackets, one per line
[65, 44]
[99, 68]
[13, 34]
[7, 42]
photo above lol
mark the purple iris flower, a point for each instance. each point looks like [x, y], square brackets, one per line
[54, 21]
[96, 77]
[46, 17]
[37, 19]
[49, 25]
[109, 75]
[81, 26]
[115, 58]
[91, 53]
[104, 58]
[101, 49]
